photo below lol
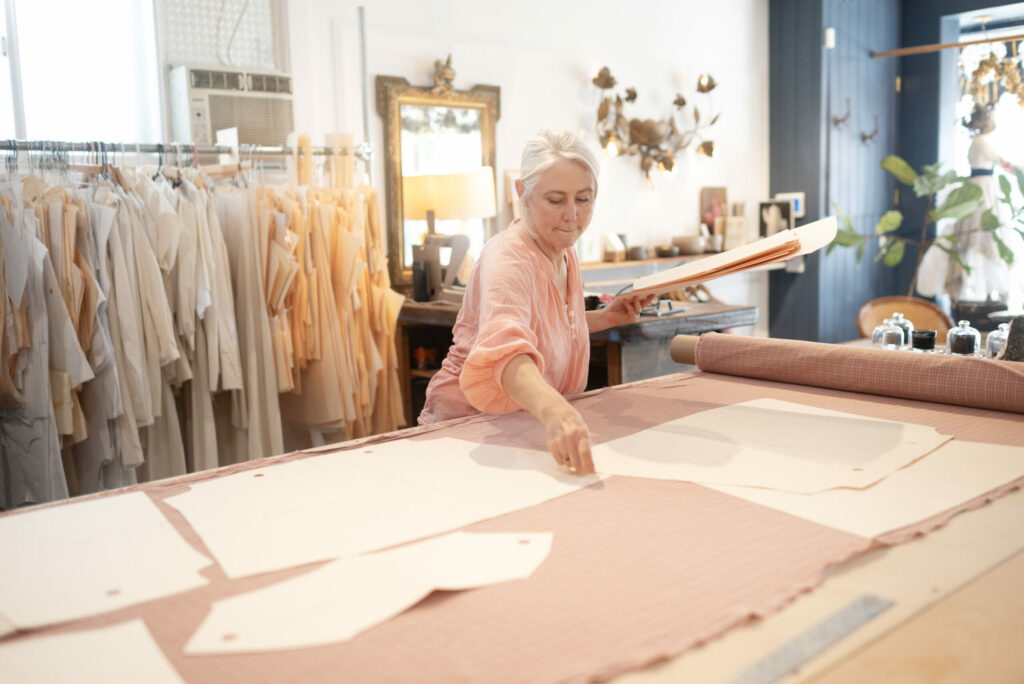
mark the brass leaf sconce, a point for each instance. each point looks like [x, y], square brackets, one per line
[657, 142]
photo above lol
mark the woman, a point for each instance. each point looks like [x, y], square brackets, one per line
[522, 335]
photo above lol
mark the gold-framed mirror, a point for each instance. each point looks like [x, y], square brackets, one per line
[432, 130]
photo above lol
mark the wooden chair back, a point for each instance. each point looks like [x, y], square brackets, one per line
[924, 314]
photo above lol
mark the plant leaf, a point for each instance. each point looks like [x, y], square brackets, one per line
[955, 256]
[715, 118]
[960, 203]
[889, 222]
[1004, 185]
[843, 218]
[894, 255]
[860, 250]
[989, 221]
[1020, 180]
[1005, 253]
[848, 238]
[930, 183]
[899, 168]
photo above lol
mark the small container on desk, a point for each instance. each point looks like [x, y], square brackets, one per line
[963, 340]
[888, 335]
[923, 340]
[996, 339]
[903, 324]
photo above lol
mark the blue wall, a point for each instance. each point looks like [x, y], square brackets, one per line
[809, 86]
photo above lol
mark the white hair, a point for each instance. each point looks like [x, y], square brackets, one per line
[549, 147]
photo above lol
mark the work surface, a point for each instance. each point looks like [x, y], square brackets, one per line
[641, 570]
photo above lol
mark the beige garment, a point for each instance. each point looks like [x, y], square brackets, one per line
[29, 445]
[165, 452]
[158, 322]
[184, 287]
[237, 210]
[225, 354]
[167, 222]
[125, 340]
[124, 301]
[97, 464]
[326, 399]
[202, 431]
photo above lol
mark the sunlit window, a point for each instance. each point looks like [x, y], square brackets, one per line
[88, 71]
[6, 103]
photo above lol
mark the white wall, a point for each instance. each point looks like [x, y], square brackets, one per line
[543, 55]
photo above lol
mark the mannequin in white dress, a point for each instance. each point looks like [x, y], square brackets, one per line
[990, 277]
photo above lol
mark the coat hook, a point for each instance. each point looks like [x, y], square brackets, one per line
[868, 137]
[838, 122]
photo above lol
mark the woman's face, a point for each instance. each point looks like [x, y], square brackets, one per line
[560, 206]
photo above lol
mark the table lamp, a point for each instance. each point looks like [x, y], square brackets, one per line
[465, 195]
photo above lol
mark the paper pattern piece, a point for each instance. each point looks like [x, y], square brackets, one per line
[372, 497]
[122, 653]
[954, 474]
[782, 245]
[344, 598]
[89, 557]
[772, 444]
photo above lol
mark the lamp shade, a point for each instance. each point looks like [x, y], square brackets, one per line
[465, 195]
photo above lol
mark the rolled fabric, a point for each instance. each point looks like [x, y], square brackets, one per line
[957, 380]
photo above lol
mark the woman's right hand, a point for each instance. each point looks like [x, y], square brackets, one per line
[568, 438]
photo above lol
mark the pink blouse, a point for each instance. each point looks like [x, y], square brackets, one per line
[511, 307]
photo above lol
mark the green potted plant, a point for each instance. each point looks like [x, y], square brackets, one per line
[963, 202]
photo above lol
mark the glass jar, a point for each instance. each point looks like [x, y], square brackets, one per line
[905, 325]
[996, 339]
[963, 340]
[888, 335]
[923, 340]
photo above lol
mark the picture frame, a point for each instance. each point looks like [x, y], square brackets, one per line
[774, 216]
[798, 200]
[712, 204]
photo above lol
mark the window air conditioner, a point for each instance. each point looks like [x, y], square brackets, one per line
[205, 100]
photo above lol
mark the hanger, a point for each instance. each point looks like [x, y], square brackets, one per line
[160, 160]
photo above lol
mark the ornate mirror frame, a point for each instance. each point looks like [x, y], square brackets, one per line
[392, 93]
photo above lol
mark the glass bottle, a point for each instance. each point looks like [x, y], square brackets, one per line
[963, 340]
[905, 325]
[888, 335]
[996, 339]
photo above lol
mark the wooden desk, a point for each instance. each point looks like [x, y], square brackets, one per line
[638, 351]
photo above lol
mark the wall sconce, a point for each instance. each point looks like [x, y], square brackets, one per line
[657, 142]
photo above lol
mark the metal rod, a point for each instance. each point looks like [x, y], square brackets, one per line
[935, 47]
[365, 151]
[155, 148]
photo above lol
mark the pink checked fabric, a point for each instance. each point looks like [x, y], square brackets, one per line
[959, 380]
[511, 307]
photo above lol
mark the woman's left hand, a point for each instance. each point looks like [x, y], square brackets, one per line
[625, 310]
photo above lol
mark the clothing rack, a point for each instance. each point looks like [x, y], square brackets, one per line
[362, 151]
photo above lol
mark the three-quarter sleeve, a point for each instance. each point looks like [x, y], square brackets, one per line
[505, 331]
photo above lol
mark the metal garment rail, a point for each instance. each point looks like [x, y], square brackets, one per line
[361, 151]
